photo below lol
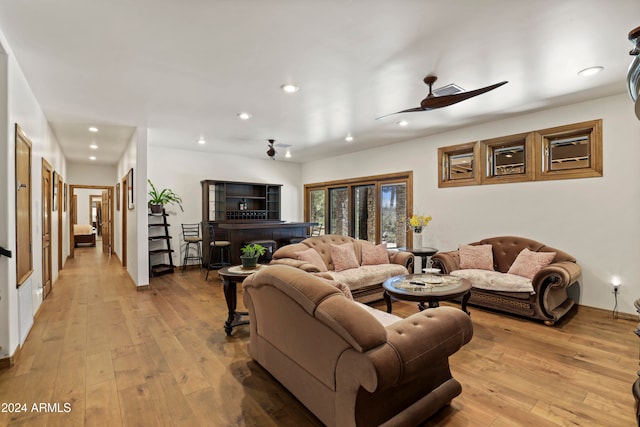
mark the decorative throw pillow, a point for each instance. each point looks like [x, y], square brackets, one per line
[312, 257]
[528, 263]
[374, 254]
[343, 257]
[476, 256]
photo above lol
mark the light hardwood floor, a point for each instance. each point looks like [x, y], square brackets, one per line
[161, 358]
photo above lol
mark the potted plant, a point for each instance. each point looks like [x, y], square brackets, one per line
[250, 254]
[158, 199]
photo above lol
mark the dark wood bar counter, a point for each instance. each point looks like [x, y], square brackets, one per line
[240, 232]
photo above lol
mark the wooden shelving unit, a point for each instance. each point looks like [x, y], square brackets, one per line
[160, 252]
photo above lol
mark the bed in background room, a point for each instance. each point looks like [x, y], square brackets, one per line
[83, 234]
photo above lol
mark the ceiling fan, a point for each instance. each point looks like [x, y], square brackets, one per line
[271, 152]
[432, 102]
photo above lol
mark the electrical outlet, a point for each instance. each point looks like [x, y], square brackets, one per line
[616, 289]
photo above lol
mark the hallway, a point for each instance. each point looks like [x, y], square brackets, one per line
[109, 355]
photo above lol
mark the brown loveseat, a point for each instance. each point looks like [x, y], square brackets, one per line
[340, 361]
[365, 281]
[548, 300]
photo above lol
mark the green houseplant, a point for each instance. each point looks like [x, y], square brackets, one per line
[158, 199]
[250, 254]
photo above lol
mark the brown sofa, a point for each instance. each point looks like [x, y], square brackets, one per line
[340, 361]
[549, 300]
[365, 281]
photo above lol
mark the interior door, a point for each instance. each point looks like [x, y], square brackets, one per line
[24, 256]
[47, 190]
[105, 209]
[59, 184]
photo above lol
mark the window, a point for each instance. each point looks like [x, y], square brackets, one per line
[564, 152]
[508, 159]
[458, 165]
[368, 208]
[573, 151]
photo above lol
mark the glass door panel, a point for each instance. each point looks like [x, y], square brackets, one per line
[364, 215]
[317, 209]
[392, 213]
[339, 211]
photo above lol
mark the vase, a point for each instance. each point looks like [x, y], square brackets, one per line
[417, 240]
[249, 263]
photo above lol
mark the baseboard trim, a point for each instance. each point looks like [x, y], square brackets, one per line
[8, 362]
[143, 288]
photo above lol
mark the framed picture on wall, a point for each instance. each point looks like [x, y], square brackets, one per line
[54, 184]
[118, 196]
[130, 201]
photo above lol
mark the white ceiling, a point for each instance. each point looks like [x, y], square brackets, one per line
[185, 69]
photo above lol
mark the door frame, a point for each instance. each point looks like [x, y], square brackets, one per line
[61, 205]
[47, 211]
[72, 188]
[24, 250]
[124, 208]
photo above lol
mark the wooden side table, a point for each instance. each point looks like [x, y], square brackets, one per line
[231, 276]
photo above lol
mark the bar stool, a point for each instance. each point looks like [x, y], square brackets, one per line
[191, 236]
[213, 243]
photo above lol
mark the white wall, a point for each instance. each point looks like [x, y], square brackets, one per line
[18, 105]
[182, 171]
[135, 156]
[593, 219]
[91, 174]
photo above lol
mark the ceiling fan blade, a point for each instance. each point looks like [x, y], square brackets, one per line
[410, 110]
[434, 102]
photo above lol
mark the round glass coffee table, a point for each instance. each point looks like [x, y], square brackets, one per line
[427, 289]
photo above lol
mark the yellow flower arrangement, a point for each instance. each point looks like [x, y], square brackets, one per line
[416, 222]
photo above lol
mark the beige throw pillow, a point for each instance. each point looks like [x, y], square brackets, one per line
[312, 257]
[528, 263]
[374, 254]
[476, 256]
[343, 257]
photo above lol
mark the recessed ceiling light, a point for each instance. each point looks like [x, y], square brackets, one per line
[93, 146]
[93, 129]
[591, 71]
[201, 141]
[402, 123]
[288, 153]
[348, 138]
[244, 115]
[92, 158]
[290, 88]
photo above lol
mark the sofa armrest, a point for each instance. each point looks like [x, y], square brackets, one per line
[446, 261]
[415, 343]
[558, 274]
[403, 258]
[302, 265]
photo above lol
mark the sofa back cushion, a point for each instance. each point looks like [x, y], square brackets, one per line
[343, 257]
[476, 257]
[507, 248]
[528, 263]
[374, 254]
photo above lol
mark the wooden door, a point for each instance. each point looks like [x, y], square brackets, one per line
[47, 188]
[59, 184]
[123, 204]
[24, 256]
[105, 208]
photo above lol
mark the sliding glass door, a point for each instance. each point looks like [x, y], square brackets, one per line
[369, 208]
[393, 212]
